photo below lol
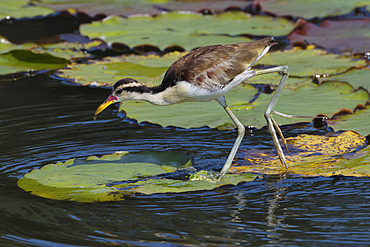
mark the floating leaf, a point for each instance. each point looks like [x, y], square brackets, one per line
[310, 9]
[149, 69]
[21, 9]
[356, 77]
[303, 65]
[312, 155]
[310, 62]
[194, 114]
[357, 121]
[177, 186]
[273, 80]
[307, 100]
[129, 7]
[25, 60]
[67, 50]
[113, 177]
[184, 29]
[327, 98]
[338, 35]
[7, 46]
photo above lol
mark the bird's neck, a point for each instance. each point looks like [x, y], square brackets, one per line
[157, 95]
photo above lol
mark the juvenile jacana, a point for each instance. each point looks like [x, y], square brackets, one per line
[206, 74]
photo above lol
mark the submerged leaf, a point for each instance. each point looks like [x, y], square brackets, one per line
[116, 176]
[25, 60]
[312, 155]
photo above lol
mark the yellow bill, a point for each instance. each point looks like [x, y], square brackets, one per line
[110, 100]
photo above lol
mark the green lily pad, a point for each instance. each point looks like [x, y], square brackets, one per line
[304, 64]
[357, 121]
[7, 46]
[310, 100]
[149, 69]
[306, 100]
[21, 9]
[177, 186]
[129, 7]
[339, 35]
[312, 155]
[116, 176]
[310, 9]
[310, 62]
[66, 50]
[184, 29]
[273, 80]
[356, 77]
[31, 56]
[26, 60]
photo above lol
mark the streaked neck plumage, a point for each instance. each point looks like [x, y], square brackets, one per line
[153, 95]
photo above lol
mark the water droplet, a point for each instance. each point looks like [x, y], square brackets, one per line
[9, 19]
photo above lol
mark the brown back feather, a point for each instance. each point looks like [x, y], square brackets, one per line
[214, 65]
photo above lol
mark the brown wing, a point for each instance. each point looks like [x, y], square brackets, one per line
[214, 65]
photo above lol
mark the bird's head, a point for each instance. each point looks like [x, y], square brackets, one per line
[122, 90]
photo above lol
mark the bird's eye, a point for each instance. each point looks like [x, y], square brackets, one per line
[119, 91]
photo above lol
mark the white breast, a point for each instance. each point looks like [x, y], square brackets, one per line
[187, 92]
[192, 93]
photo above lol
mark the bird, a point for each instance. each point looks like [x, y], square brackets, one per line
[205, 74]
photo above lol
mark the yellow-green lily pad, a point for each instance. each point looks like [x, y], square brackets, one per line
[188, 30]
[116, 176]
[21, 9]
[68, 50]
[312, 155]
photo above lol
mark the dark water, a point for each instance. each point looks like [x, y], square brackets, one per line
[44, 121]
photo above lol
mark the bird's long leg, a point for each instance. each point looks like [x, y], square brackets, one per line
[292, 116]
[272, 125]
[241, 131]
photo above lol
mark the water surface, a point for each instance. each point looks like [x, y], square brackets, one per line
[43, 121]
